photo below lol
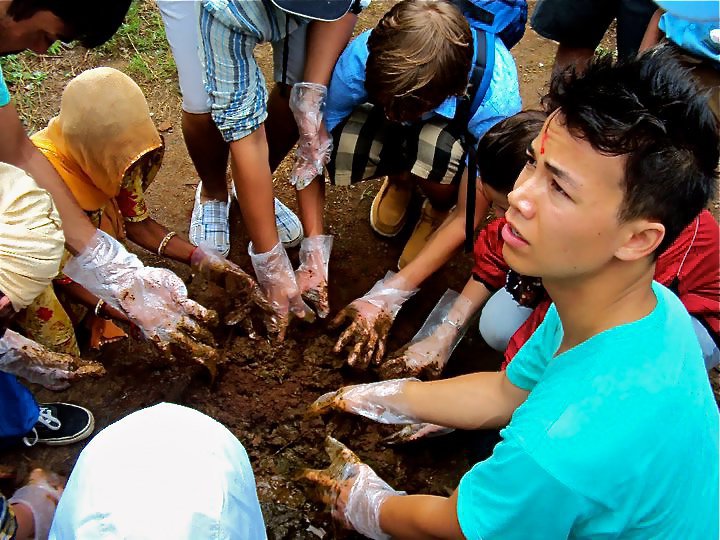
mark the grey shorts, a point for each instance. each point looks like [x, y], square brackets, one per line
[583, 23]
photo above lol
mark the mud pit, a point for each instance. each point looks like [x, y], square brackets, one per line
[262, 391]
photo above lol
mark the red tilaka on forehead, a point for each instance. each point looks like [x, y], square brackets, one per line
[544, 138]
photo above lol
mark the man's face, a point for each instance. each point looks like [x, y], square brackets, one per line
[563, 211]
[36, 33]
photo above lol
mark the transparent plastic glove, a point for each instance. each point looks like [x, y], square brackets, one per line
[379, 401]
[154, 299]
[428, 352]
[415, 432]
[248, 300]
[307, 103]
[25, 358]
[41, 495]
[352, 489]
[277, 279]
[370, 320]
[312, 274]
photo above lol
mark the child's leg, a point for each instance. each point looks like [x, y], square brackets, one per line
[47, 322]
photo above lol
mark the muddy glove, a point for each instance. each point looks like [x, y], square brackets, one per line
[370, 320]
[154, 299]
[380, 401]
[248, 300]
[41, 495]
[312, 274]
[415, 432]
[352, 489]
[429, 351]
[307, 103]
[277, 279]
[25, 358]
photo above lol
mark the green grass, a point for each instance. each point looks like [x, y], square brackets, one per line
[141, 39]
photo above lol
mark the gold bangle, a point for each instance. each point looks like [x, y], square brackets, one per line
[164, 242]
[98, 308]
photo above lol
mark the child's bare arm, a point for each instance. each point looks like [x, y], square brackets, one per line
[420, 517]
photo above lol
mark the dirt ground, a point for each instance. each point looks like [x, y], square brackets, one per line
[262, 392]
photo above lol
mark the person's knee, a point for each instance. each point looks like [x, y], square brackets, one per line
[495, 334]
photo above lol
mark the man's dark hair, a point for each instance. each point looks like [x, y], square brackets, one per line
[91, 22]
[502, 151]
[649, 110]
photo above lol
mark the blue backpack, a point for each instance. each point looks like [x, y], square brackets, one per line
[489, 20]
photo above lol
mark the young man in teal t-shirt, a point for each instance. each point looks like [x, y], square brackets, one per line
[610, 426]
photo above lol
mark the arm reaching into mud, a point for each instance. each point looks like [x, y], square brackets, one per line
[370, 320]
[475, 401]
[312, 274]
[360, 500]
[429, 350]
[154, 299]
[25, 358]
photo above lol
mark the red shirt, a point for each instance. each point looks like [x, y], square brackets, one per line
[690, 267]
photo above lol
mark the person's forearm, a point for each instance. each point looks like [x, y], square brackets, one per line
[82, 296]
[16, 149]
[420, 516]
[148, 234]
[311, 202]
[24, 520]
[653, 34]
[475, 401]
[476, 294]
[325, 42]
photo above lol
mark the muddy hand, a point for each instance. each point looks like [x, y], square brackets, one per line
[333, 484]
[415, 432]
[312, 274]
[366, 334]
[425, 359]
[353, 491]
[25, 358]
[277, 280]
[159, 305]
[40, 495]
[380, 401]
[247, 298]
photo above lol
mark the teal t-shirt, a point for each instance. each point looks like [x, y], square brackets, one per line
[4, 94]
[618, 438]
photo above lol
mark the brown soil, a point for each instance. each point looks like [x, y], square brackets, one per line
[262, 391]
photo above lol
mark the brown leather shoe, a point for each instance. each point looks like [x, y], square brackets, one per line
[388, 212]
[429, 222]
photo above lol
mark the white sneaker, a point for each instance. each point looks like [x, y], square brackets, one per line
[209, 223]
[288, 225]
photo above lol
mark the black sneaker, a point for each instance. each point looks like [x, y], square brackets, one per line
[61, 423]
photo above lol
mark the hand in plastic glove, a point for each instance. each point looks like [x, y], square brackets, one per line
[248, 299]
[307, 103]
[380, 401]
[428, 352]
[154, 299]
[40, 495]
[370, 320]
[415, 432]
[277, 279]
[312, 275]
[352, 490]
[25, 358]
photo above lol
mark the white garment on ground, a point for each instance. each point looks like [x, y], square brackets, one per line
[165, 472]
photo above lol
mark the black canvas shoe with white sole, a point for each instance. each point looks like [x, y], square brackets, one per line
[60, 424]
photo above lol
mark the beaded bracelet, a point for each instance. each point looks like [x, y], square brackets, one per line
[164, 242]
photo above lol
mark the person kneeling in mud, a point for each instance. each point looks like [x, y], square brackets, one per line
[611, 388]
[105, 147]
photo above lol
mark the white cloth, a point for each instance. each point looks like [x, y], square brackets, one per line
[31, 237]
[165, 472]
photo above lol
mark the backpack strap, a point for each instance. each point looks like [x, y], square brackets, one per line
[480, 78]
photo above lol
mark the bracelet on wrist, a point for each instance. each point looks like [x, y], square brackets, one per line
[164, 242]
[98, 309]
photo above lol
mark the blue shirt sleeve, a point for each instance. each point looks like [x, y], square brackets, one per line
[530, 362]
[692, 36]
[510, 496]
[4, 94]
[347, 86]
